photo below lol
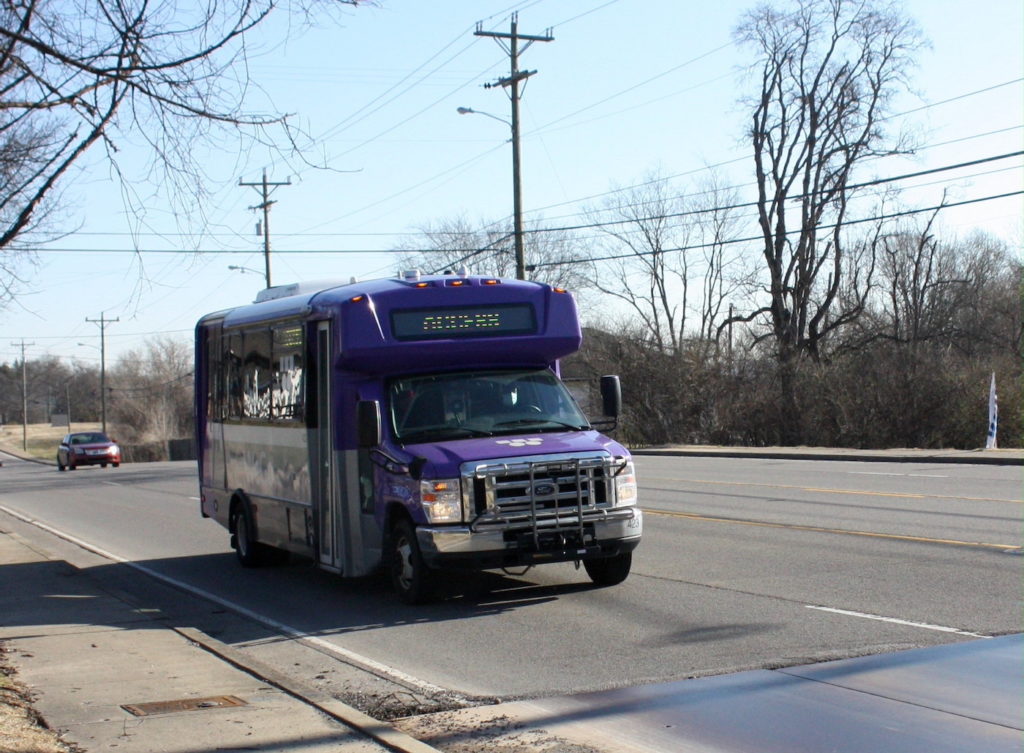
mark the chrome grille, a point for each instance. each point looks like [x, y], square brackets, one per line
[549, 493]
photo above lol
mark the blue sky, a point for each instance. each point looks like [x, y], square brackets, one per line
[627, 87]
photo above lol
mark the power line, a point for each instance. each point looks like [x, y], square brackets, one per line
[734, 241]
[749, 156]
[796, 197]
[535, 230]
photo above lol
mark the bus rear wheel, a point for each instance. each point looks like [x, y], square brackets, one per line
[410, 575]
[609, 571]
[246, 548]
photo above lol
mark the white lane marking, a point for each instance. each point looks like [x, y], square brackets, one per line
[291, 632]
[905, 475]
[897, 621]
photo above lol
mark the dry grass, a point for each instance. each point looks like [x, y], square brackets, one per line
[21, 730]
[42, 438]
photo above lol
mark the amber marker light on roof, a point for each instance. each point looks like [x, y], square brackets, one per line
[491, 282]
[357, 298]
[423, 284]
[457, 283]
[560, 290]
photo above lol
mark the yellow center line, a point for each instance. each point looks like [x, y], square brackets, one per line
[713, 482]
[821, 529]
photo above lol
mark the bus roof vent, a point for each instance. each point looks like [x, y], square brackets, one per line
[411, 275]
[307, 287]
[463, 271]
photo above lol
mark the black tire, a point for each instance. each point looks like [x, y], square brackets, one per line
[609, 571]
[410, 576]
[103, 465]
[60, 465]
[247, 549]
[116, 465]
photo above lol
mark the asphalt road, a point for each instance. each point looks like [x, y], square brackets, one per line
[746, 563]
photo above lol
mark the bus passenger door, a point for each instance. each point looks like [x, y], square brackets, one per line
[327, 482]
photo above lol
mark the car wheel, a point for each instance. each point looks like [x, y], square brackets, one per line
[116, 465]
[60, 465]
[410, 576]
[103, 465]
[609, 571]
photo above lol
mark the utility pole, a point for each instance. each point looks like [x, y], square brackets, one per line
[511, 84]
[265, 188]
[24, 393]
[103, 322]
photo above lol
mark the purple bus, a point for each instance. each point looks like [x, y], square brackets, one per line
[419, 423]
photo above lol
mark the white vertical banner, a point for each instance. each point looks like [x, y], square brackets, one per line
[993, 415]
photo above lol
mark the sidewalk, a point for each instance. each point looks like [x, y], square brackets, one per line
[110, 677]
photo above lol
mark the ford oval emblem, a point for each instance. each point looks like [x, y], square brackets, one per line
[544, 489]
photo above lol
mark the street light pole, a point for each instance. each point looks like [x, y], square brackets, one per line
[265, 188]
[24, 394]
[512, 82]
[517, 186]
[103, 322]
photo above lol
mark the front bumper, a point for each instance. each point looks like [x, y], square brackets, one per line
[614, 531]
[104, 459]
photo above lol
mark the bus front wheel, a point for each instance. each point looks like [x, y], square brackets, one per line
[410, 576]
[609, 571]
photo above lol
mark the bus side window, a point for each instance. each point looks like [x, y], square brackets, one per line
[232, 368]
[214, 375]
[288, 374]
[256, 374]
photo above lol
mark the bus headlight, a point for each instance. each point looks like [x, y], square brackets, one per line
[442, 500]
[625, 486]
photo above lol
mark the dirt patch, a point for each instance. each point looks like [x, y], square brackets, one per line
[455, 733]
[394, 705]
[22, 730]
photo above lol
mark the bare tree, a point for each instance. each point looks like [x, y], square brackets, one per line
[151, 392]
[716, 223]
[643, 262]
[81, 74]
[961, 295]
[827, 73]
[488, 248]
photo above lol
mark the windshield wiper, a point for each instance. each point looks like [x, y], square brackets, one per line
[442, 432]
[541, 421]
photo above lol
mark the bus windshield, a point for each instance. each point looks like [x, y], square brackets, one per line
[432, 408]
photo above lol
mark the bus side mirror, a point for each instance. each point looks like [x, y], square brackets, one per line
[611, 396]
[368, 418]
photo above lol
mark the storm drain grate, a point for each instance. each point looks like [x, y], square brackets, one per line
[184, 704]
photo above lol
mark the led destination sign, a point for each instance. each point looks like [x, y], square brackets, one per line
[494, 320]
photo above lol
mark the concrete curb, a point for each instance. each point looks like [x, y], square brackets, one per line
[380, 731]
